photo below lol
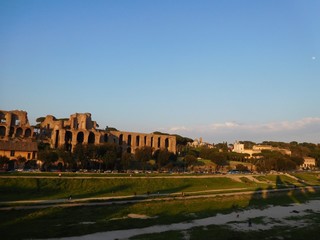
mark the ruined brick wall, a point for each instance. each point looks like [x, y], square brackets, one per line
[80, 128]
[15, 124]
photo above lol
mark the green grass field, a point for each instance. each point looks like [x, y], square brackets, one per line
[70, 221]
[54, 188]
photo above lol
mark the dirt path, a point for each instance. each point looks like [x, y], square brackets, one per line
[147, 198]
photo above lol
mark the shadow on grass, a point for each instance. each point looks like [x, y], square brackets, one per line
[179, 189]
[109, 191]
[285, 191]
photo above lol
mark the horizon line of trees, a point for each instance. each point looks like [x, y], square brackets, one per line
[110, 156]
[107, 156]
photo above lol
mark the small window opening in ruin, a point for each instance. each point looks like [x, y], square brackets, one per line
[166, 143]
[2, 131]
[129, 140]
[120, 139]
[105, 138]
[27, 132]
[91, 138]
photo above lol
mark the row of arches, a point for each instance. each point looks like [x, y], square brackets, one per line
[15, 132]
[153, 141]
[124, 140]
[69, 138]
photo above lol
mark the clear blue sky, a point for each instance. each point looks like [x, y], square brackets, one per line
[223, 70]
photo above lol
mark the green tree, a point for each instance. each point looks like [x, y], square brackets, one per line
[109, 159]
[241, 167]
[67, 158]
[80, 156]
[143, 154]
[40, 119]
[190, 160]
[48, 158]
[126, 160]
[162, 157]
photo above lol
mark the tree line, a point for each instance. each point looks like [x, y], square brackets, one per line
[110, 156]
[107, 156]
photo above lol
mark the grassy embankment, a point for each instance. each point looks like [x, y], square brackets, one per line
[13, 189]
[58, 221]
[48, 186]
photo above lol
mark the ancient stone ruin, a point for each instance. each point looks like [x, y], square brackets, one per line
[15, 124]
[80, 129]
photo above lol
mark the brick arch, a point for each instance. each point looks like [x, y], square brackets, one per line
[19, 132]
[27, 132]
[137, 141]
[91, 138]
[80, 137]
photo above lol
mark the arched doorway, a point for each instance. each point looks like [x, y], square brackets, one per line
[80, 137]
[27, 132]
[137, 141]
[91, 138]
[19, 132]
[68, 140]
